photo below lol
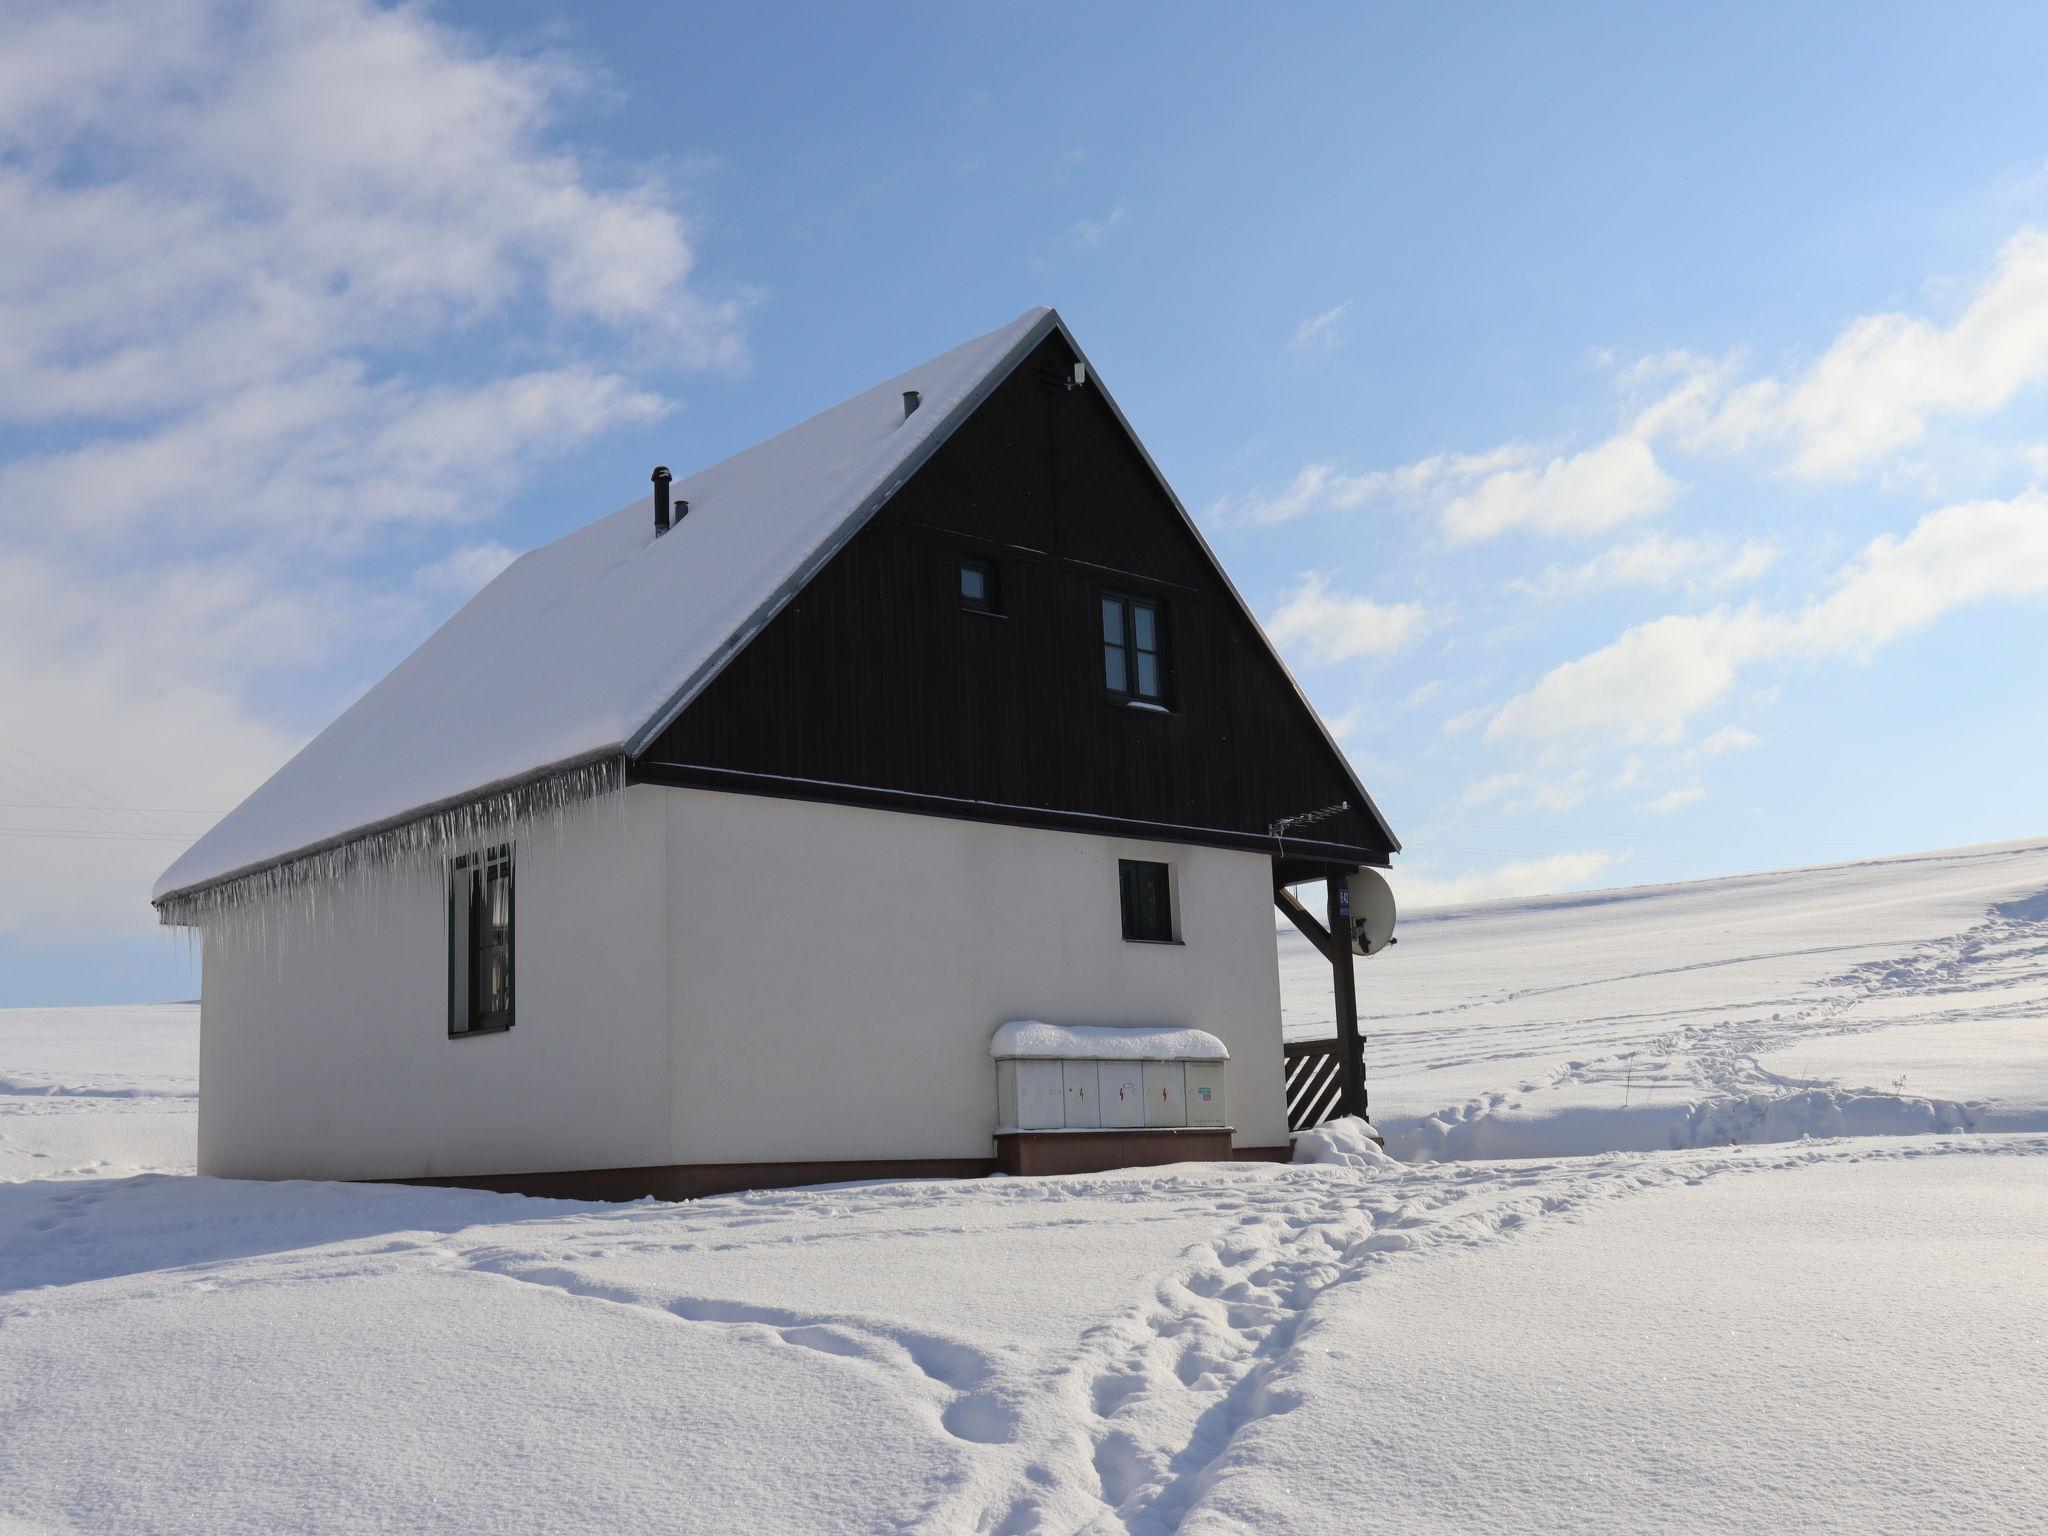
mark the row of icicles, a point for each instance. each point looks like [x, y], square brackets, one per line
[363, 878]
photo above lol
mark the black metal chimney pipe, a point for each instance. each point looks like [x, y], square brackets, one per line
[661, 480]
[911, 400]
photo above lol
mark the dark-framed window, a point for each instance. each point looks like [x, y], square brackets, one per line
[1134, 649]
[480, 919]
[979, 592]
[1147, 893]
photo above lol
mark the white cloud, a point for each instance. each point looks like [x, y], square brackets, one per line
[1881, 383]
[1675, 799]
[79, 694]
[1650, 682]
[308, 282]
[329, 457]
[1522, 877]
[1655, 561]
[1516, 791]
[1480, 495]
[1730, 738]
[1590, 492]
[1092, 232]
[464, 571]
[1645, 685]
[1968, 553]
[1324, 627]
[1322, 487]
[1318, 333]
[1424, 693]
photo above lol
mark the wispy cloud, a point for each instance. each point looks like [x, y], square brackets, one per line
[1323, 627]
[464, 571]
[1481, 495]
[242, 244]
[1882, 383]
[1652, 680]
[1730, 738]
[1675, 799]
[1615, 482]
[1658, 560]
[1090, 233]
[1322, 487]
[1519, 790]
[1319, 333]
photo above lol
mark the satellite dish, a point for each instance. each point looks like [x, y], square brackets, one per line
[1372, 912]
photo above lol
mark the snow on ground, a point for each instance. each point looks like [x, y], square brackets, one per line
[98, 1090]
[1758, 1008]
[1836, 1334]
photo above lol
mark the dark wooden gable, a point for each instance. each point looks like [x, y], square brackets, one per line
[875, 685]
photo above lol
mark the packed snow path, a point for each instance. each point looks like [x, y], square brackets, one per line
[1705, 1323]
[1198, 1349]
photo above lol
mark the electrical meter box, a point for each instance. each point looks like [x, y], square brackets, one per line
[1081, 1077]
[1084, 1096]
[1031, 1095]
[1205, 1093]
[1123, 1092]
[1166, 1093]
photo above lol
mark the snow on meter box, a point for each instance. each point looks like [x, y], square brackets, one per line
[1071, 1098]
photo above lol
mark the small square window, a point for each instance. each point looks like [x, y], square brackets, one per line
[1146, 891]
[978, 586]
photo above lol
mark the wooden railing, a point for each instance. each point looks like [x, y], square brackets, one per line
[1312, 1087]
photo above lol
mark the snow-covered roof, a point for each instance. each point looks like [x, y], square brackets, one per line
[591, 645]
[1066, 1042]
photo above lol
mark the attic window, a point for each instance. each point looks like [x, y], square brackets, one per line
[978, 592]
[480, 942]
[1133, 649]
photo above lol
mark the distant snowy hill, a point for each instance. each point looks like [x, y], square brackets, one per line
[1702, 1321]
[1892, 995]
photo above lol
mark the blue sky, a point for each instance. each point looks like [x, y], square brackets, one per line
[1628, 420]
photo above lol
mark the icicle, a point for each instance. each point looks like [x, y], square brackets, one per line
[307, 894]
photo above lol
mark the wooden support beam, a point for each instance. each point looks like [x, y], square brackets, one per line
[1303, 919]
[1350, 1045]
[1333, 944]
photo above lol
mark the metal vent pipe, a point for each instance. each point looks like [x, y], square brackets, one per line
[661, 479]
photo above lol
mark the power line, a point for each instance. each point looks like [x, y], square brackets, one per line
[93, 814]
[73, 778]
[77, 834]
[166, 810]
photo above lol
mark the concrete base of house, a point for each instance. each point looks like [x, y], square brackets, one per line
[1030, 1152]
[1022, 1152]
[693, 1181]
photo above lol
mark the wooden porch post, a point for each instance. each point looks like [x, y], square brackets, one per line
[1350, 1046]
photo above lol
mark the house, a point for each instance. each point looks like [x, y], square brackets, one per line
[718, 843]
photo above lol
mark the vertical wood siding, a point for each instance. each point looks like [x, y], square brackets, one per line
[875, 676]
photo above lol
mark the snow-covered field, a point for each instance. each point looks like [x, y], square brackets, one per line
[1655, 1308]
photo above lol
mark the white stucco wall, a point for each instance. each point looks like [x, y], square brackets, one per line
[715, 978]
[324, 1048]
[836, 972]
